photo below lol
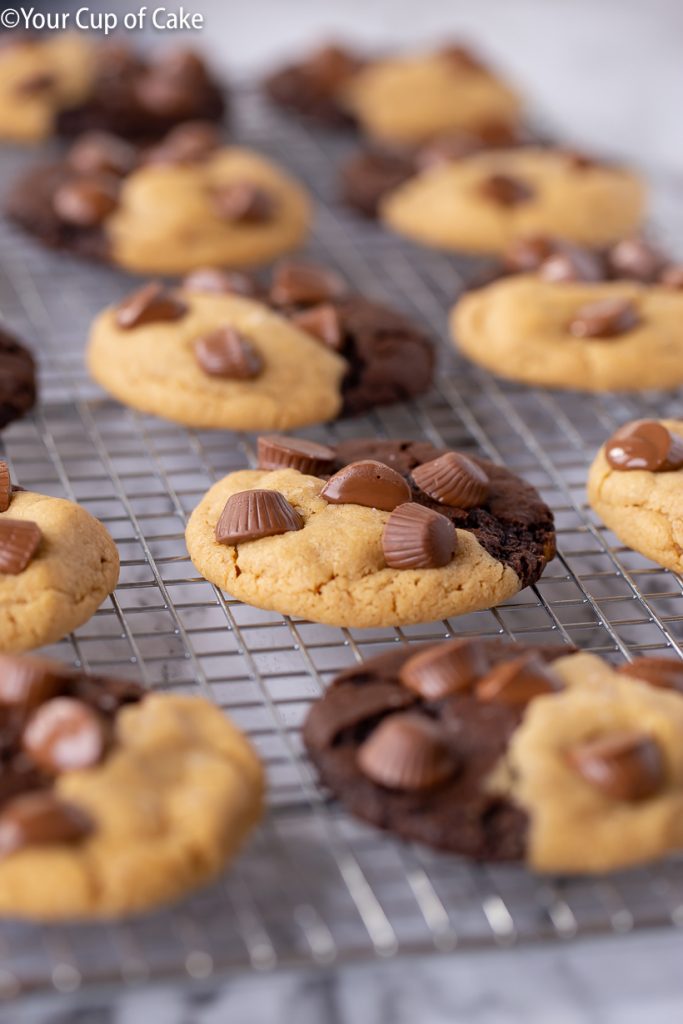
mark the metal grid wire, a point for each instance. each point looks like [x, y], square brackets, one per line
[315, 886]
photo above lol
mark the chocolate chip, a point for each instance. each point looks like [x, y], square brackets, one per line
[666, 673]
[5, 487]
[324, 323]
[346, 707]
[19, 541]
[86, 202]
[243, 202]
[571, 263]
[407, 751]
[524, 255]
[625, 765]
[505, 190]
[100, 153]
[672, 276]
[518, 682]
[192, 142]
[606, 318]
[41, 819]
[27, 682]
[367, 483]
[276, 451]
[64, 735]
[152, 303]
[250, 515]
[444, 669]
[221, 282]
[636, 259]
[416, 537]
[453, 479]
[645, 444]
[227, 353]
[305, 284]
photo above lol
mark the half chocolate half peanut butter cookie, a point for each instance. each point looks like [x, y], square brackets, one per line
[498, 751]
[370, 533]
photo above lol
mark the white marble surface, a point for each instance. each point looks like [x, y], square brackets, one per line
[609, 74]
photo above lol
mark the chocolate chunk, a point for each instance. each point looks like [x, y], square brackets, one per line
[672, 276]
[370, 175]
[349, 706]
[153, 303]
[636, 259]
[27, 682]
[5, 487]
[17, 379]
[64, 735]
[645, 444]
[19, 541]
[250, 515]
[243, 202]
[227, 353]
[221, 282]
[606, 318]
[416, 537]
[86, 202]
[453, 479]
[100, 153]
[367, 483]
[445, 669]
[525, 255]
[519, 681]
[189, 143]
[505, 190]
[408, 752]
[41, 819]
[625, 765]
[276, 451]
[572, 263]
[666, 673]
[305, 284]
[323, 322]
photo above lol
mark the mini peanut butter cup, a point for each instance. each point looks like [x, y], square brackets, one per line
[672, 277]
[323, 322]
[505, 190]
[635, 259]
[227, 353]
[570, 263]
[86, 202]
[305, 284]
[27, 682]
[63, 735]
[277, 451]
[445, 669]
[153, 303]
[243, 202]
[5, 487]
[19, 542]
[606, 318]
[666, 673]
[626, 765]
[453, 479]
[518, 681]
[101, 153]
[216, 281]
[645, 444]
[188, 143]
[41, 819]
[251, 515]
[416, 537]
[368, 483]
[407, 751]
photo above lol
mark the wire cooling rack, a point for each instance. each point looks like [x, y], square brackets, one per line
[314, 886]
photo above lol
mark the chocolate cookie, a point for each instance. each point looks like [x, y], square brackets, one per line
[17, 379]
[498, 752]
[313, 86]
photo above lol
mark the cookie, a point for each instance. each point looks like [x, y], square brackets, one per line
[57, 565]
[401, 532]
[62, 83]
[499, 752]
[635, 487]
[183, 204]
[314, 85]
[17, 379]
[114, 801]
[313, 351]
[483, 202]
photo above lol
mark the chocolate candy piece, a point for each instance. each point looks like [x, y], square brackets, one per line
[227, 353]
[221, 282]
[276, 451]
[86, 202]
[666, 673]
[407, 751]
[518, 681]
[605, 318]
[367, 483]
[17, 379]
[19, 541]
[624, 765]
[634, 258]
[26, 682]
[571, 263]
[331, 66]
[152, 303]
[64, 735]
[504, 190]
[250, 515]
[243, 202]
[323, 322]
[100, 153]
[416, 537]
[371, 174]
[672, 276]
[444, 669]
[461, 57]
[346, 707]
[41, 819]
[189, 143]
[305, 284]
[527, 254]
[453, 480]
[5, 487]
[645, 444]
